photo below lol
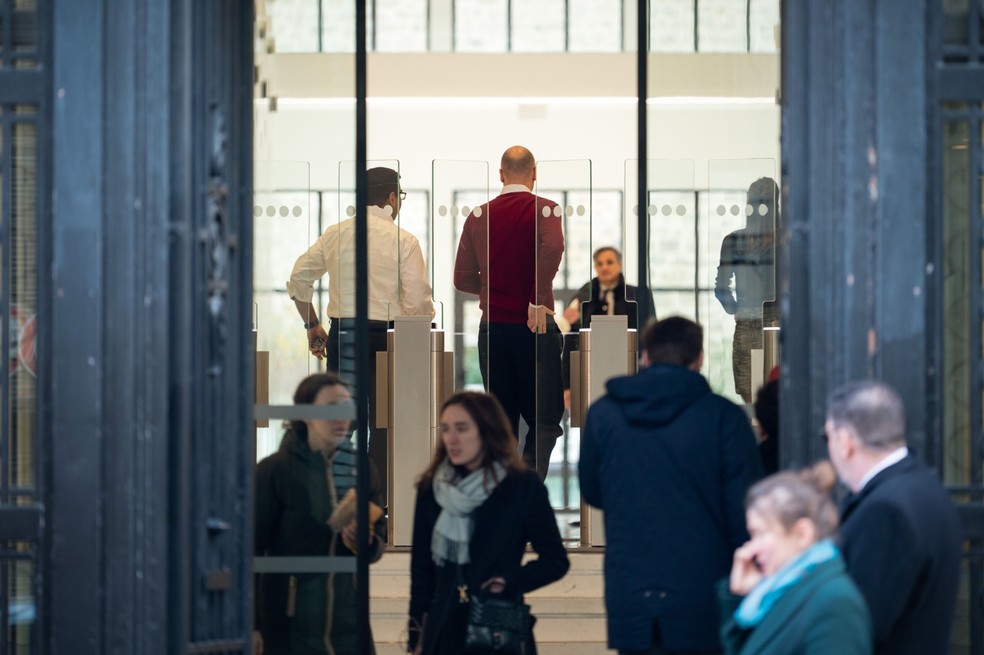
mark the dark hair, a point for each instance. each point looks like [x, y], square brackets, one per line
[767, 408]
[673, 340]
[872, 410]
[305, 394]
[793, 495]
[597, 252]
[499, 444]
[382, 182]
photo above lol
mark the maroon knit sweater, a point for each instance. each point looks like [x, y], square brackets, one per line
[508, 254]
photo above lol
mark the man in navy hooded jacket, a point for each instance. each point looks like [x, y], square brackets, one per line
[669, 462]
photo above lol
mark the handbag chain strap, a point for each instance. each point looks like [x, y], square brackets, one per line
[462, 586]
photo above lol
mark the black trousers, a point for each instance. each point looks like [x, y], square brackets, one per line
[341, 359]
[522, 370]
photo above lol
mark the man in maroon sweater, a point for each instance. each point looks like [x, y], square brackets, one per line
[509, 252]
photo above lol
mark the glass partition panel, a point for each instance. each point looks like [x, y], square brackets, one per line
[673, 237]
[460, 191]
[569, 185]
[739, 265]
[285, 225]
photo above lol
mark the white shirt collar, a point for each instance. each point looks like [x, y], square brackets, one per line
[515, 188]
[379, 212]
[893, 457]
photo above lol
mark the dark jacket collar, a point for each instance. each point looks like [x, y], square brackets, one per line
[908, 464]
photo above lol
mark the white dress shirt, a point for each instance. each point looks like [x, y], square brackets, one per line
[893, 457]
[398, 283]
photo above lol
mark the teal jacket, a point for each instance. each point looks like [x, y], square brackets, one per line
[823, 614]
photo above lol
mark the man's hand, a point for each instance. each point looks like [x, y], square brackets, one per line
[317, 341]
[572, 314]
[536, 318]
[257, 648]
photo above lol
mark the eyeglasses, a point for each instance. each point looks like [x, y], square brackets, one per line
[403, 195]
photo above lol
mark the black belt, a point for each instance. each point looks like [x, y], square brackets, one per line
[352, 324]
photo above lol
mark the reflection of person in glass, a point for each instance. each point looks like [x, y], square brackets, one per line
[298, 489]
[605, 295]
[745, 283]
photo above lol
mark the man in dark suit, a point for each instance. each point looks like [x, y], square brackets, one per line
[669, 462]
[900, 534]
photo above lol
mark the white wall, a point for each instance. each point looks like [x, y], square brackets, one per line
[417, 131]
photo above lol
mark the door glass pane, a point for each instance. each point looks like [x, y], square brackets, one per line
[538, 26]
[401, 25]
[722, 26]
[671, 25]
[481, 26]
[595, 25]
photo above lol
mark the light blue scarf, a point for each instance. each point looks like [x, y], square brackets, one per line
[770, 589]
[458, 498]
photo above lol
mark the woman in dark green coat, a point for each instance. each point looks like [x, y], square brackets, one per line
[297, 490]
[789, 593]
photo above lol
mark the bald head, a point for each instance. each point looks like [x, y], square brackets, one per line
[518, 167]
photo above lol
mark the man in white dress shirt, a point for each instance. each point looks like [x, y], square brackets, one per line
[398, 286]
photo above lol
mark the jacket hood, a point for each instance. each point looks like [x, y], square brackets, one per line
[656, 396]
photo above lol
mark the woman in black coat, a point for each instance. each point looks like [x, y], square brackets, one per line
[477, 508]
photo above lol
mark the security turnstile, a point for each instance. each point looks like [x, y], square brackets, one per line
[607, 349]
[413, 377]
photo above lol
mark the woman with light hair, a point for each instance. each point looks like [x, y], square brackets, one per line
[789, 591]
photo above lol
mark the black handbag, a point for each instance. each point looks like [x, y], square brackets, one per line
[497, 624]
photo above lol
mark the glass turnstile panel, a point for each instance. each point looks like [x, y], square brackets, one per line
[458, 190]
[738, 270]
[671, 223]
[285, 225]
[569, 184]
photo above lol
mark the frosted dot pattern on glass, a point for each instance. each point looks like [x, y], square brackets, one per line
[350, 211]
[442, 210]
[478, 212]
[546, 212]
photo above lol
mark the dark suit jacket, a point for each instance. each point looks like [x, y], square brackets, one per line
[516, 513]
[901, 539]
[823, 614]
